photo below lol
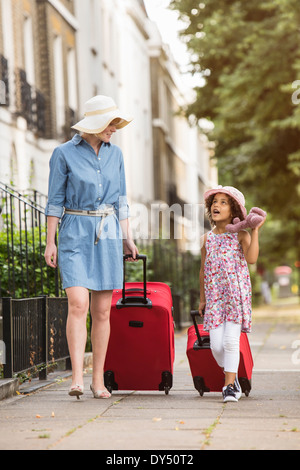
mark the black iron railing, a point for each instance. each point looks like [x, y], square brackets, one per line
[23, 228]
[33, 335]
[33, 308]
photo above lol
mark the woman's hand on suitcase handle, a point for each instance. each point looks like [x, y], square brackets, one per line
[128, 243]
[130, 249]
[201, 308]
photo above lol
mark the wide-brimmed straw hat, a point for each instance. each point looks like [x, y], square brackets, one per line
[99, 112]
[231, 191]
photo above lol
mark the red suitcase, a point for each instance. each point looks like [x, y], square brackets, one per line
[140, 352]
[207, 375]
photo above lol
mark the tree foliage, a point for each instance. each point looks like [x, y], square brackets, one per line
[248, 54]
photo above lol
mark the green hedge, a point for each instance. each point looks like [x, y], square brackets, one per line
[24, 272]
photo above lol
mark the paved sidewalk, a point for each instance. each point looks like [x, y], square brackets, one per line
[268, 419]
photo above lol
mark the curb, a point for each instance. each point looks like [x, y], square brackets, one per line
[8, 388]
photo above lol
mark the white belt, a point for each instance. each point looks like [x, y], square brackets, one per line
[96, 213]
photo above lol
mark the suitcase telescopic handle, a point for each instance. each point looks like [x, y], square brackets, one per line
[134, 300]
[144, 259]
[194, 314]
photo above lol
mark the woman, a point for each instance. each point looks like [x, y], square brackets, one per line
[87, 189]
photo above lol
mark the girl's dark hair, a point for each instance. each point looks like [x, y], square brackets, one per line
[235, 208]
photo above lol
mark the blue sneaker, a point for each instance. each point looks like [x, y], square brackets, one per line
[237, 387]
[229, 393]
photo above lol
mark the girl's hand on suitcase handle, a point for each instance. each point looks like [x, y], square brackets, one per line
[201, 308]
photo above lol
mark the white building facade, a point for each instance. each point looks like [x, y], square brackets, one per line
[38, 69]
[64, 52]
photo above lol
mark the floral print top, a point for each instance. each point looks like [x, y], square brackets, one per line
[227, 282]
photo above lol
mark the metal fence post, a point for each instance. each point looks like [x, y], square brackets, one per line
[44, 339]
[7, 337]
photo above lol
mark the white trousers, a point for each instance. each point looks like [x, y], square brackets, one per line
[225, 345]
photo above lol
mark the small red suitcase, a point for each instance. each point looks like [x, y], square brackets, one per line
[140, 352]
[207, 375]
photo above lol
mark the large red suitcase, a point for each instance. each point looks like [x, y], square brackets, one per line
[207, 375]
[140, 352]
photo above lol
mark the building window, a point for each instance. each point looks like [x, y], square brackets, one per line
[4, 82]
[71, 110]
[28, 50]
[25, 97]
[59, 85]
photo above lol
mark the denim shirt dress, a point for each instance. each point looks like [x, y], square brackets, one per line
[80, 179]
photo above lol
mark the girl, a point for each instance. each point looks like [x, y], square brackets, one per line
[225, 287]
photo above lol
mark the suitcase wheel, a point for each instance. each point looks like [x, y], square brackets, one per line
[166, 382]
[245, 385]
[199, 385]
[109, 381]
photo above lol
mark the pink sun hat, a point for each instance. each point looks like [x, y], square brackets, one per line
[230, 191]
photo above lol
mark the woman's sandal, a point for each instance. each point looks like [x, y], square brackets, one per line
[76, 391]
[100, 393]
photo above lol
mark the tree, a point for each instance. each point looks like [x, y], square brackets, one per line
[248, 54]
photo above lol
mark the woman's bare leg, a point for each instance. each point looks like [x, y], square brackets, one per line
[78, 304]
[100, 311]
